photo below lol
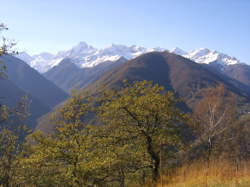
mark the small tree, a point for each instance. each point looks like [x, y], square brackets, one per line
[2, 52]
[64, 157]
[6, 47]
[213, 116]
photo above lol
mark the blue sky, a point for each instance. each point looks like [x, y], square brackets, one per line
[52, 25]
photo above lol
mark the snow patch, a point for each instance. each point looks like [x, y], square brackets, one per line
[84, 55]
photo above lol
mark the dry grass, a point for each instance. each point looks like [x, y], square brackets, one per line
[214, 174]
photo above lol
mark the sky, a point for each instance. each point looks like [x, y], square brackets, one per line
[54, 25]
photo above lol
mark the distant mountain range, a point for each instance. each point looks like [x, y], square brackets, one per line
[86, 68]
[85, 56]
[174, 72]
[206, 56]
[69, 76]
[186, 78]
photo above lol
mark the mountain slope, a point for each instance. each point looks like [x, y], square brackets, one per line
[32, 82]
[240, 72]
[84, 56]
[63, 75]
[186, 78]
[69, 76]
[10, 95]
[174, 72]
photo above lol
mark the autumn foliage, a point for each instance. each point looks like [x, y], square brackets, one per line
[134, 136]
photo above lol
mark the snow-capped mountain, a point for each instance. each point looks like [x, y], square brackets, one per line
[178, 51]
[207, 56]
[84, 55]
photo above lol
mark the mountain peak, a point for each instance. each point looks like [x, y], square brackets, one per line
[85, 55]
[83, 45]
[178, 51]
[81, 49]
[207, 56]
[199, 52]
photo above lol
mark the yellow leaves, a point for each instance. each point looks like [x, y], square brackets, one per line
[127, 116]
[1, 51]
[4, 113]
[142, 103]
[74, 110]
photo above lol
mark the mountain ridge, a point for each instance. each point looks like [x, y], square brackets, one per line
[32, 82]
[68, 76]
[85, 55]
[22, 80]
[185, 76]
[187, 79]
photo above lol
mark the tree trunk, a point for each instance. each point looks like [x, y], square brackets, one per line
[210, 147]
[143, 178]
[154, 157]
[121, 178]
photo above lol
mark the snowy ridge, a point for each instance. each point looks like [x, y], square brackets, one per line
[207, 56]
[178, 51]
[84, 55]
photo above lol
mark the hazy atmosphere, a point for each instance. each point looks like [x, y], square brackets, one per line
[122, 93]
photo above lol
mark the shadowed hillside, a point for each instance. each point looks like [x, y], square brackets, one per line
[11, 95]
[32, 82]
[185, 77]
[240, 72]
[68, 76]
[22, 80]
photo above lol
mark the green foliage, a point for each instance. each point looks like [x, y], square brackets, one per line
[2, 52]
[12, 133]
[146, 116]
[62, 159]
[6, 46]
[66, 157]
[138, 137]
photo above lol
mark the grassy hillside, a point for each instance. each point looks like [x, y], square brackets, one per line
[216, 174]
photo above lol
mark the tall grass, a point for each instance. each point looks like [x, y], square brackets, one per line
[212, 174]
